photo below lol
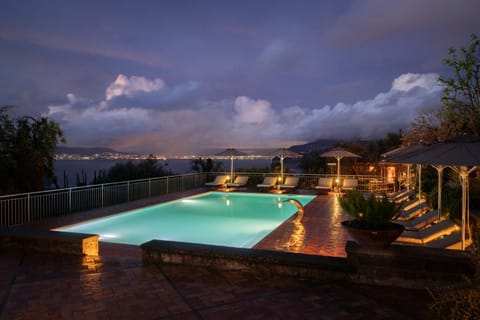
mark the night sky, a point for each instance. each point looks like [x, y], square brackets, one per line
[182, 77]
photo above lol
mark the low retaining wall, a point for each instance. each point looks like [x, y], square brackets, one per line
[49, 241]
[409, 266]
[400, 266]
[249, 260]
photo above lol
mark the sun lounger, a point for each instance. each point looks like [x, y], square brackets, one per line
[240, 181]
[394, 195]
[290, 183]
[324, 184]
[404, 196]
[451, 241]
[349, 184]
[413, 211]
[420, 221]
[219, 181]
[429, 234]
[412, 203]
[268, 182]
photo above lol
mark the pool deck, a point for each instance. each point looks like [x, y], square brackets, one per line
[115, 285]
[319, 232]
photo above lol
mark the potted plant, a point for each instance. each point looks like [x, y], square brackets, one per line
[372, 215]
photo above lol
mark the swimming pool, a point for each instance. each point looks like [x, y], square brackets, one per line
[217, 218]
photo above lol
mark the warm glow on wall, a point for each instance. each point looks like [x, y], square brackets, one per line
[391, 174]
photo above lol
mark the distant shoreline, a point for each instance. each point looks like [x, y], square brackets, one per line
[122, 157]
[69, 168]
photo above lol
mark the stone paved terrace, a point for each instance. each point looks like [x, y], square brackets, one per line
[115, 285]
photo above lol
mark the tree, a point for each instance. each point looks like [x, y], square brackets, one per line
[424, 128]
[313, 162]
[148, 168]
[393, 140]
[370, 152]
[206, 165]
[460, 112]
[27, 146]
[461, 95]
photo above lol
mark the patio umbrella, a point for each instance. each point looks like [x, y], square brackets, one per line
[462, 154]
[231, 153]
[283, 153]
[338, 154]
[461, 151]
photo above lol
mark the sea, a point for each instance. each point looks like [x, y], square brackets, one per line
[67, 170]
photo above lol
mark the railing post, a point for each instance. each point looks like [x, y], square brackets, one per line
[28, 208]
[183, 184]
[150, 188]
[70, 200]
[128, 191]
[103, 200]
[168, 183]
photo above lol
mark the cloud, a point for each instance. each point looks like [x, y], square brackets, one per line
[129, 86]
[277, 57]
[250, 111]
[142, 92]
[375, 20]
[276, 53]
[242, 122]
[409, 81]
[89, 40]
[373, 118]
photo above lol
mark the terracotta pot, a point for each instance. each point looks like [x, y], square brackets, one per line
[379, 238]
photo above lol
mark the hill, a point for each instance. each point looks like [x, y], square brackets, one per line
[322, 144]
[86, 151]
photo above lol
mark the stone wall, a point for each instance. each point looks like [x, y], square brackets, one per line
[401, 266]
[49, 241]
[408, 266]
[247, 260]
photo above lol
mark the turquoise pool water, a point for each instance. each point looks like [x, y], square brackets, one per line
[217, 218]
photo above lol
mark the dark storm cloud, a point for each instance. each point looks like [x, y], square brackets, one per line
[223, 73]
[242, 121]
[376, 20]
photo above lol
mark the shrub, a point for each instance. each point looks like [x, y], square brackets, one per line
[461, 301]
[370, 211]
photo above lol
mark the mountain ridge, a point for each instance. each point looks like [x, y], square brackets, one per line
[86, 150]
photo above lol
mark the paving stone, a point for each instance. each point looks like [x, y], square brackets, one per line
[116, 285]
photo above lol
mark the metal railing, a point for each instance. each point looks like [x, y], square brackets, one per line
[366, 183]
[35, 206]
[31, 207]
